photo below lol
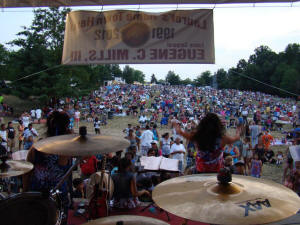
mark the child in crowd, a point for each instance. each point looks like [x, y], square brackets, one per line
[256, 166]
[247, 153]
[97, 125]
[80, 188]
[279, 158]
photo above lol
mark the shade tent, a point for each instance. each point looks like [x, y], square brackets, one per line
[52, 3]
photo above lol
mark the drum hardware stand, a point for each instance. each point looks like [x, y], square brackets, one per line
[54, 193]
[155, 206]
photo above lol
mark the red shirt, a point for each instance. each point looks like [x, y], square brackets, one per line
[89, 166]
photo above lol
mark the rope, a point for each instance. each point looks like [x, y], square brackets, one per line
[269, 85]
[36, 73]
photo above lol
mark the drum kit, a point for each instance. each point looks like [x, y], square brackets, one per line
[204, 198]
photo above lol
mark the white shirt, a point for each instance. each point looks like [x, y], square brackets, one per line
[25, 120]
[28, 133]
[146, 138]
[3, 135]
[32, 113]
[38, 113]
[143, 119]
[97, 124]
[245, 113]
[77, 114]
[176, 148]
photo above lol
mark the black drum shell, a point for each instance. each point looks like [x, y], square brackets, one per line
[28, 208]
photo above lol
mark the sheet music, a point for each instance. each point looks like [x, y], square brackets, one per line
[20, 155]
[143, 160]
[295, 152]
[159, 163]
[152, 163]
[169, 164]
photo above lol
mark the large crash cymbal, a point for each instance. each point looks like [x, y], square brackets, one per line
[81, 145]
[126, 220]
[245, 200]
[12, 168]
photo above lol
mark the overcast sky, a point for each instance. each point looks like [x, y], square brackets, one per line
[238, 31]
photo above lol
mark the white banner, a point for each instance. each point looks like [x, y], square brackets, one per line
[122, 37]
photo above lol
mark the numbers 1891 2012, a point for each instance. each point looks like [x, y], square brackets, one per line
[161, 33]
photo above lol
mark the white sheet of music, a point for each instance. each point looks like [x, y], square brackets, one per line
[295, 152]
[151, 163]
[169, 164]
[20, 155]
[159, 163]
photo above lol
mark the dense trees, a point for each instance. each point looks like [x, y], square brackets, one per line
[281, 70]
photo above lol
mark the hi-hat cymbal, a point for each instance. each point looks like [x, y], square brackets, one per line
[246, 200]
[77, 145]
[12, 168]
[126, 220]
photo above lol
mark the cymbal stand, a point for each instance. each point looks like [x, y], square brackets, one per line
[54, 193]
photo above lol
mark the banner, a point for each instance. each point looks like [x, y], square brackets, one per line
[122, 37]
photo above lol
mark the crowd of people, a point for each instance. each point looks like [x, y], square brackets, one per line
[195, 120]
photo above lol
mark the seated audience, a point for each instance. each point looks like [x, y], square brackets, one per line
[268, 157]
[80, 188]
[126, 194]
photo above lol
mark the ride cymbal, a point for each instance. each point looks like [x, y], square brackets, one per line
[245, 200]
[81, 145]
[126, 220]
[12, 168]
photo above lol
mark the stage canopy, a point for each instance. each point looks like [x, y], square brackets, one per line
[53, 3]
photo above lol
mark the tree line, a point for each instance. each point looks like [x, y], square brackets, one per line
[39, 48]
[265, 71]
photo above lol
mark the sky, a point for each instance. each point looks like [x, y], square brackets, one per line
[238, 30]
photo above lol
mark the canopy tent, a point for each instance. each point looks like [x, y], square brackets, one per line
[53, 3]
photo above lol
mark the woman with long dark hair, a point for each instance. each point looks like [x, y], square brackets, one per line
[49, 169]
[209, 138]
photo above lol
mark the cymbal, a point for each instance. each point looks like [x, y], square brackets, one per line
[77, 145]
[245, 200]
[127, 220]
[12, 168]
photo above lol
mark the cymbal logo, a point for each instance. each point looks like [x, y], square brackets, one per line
[254, 205]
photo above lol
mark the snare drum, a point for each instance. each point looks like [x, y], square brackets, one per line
[30, 208]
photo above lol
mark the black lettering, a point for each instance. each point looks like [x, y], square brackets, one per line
[92, 55]
[122, 54]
